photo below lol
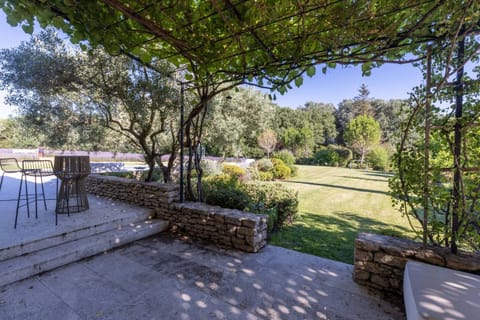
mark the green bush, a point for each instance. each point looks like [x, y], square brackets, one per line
[305, 161]
[379, 158]
[286, 156]
[265, 176]
[264, 165]
[233, 170]
[293, 170]
[280, 169]
[326, 157]
[218, 182]
[224, 190]
[279, 203]
[333, 156]
[267, 196]
[228, 198]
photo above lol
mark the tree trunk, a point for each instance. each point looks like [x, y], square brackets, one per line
[457, 196]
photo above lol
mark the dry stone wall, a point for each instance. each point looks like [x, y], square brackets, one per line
[224, 227]
[380, 261]
[145, 194]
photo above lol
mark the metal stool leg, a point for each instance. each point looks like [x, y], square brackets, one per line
[18, 202]
[43, 193]
[27, 197]
[1, 181]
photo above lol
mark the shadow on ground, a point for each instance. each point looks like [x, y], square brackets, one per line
[336, 186]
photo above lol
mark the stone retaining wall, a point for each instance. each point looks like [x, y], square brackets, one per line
[380, 261]
[224, 227]
[145, 194]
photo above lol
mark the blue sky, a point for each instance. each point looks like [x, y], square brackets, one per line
[387, 82]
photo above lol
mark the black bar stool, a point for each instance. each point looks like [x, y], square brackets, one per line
[8, 165]
[38, 169]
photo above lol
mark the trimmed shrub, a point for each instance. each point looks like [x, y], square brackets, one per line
[233, 170]
[333, 156]
[286, 156]
[280, 169]
[224, 190]
[326, 157]
[307, 161]
[264, 165]
[272, 199]
[228, 198]
[273, 196]
[293, 170]
[379, 158]
[265, 176]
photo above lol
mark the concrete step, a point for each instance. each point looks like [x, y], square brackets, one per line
[24, 248]
[39, 261]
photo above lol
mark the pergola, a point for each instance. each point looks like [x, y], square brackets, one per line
[268, 43]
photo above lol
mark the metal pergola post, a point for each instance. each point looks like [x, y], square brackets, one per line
[182, 110]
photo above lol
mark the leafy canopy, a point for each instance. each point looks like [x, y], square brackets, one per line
[363, 132]
[273, 42]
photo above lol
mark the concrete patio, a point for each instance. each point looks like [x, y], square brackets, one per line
[29, 229]
[168, 277]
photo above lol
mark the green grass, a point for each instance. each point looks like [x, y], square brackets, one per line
[336, 204]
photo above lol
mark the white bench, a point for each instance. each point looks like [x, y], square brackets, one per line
[432, 292]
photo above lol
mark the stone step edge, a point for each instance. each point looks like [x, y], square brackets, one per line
[26, 266]
[58, 239]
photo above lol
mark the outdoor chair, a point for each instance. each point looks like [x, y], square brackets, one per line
[38, 169]
[8, 165]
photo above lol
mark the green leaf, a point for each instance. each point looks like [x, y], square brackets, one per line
[311, 71]
[28, 28]
[298, 81]
[366, 68]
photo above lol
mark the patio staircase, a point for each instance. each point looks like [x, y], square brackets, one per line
[28, 259]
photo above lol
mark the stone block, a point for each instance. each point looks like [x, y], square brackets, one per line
[430, 257]
[381, 281]
[362, 255]
[246, 231]
[382, 257]
[361, 275]
[249, 223]
[233, 221]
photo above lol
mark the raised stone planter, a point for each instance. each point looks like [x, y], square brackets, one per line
[224, 227]
[380, 261]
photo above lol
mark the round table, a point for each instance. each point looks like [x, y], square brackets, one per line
[72, 172]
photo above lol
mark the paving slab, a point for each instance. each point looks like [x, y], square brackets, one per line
[164, 277]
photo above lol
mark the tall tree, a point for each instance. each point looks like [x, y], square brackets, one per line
[70, 103]
[321, 118]
[137, 102]
[362, 102]
[363, 133]
[233, 121]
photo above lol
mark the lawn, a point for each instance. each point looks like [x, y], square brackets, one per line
[336, 204]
